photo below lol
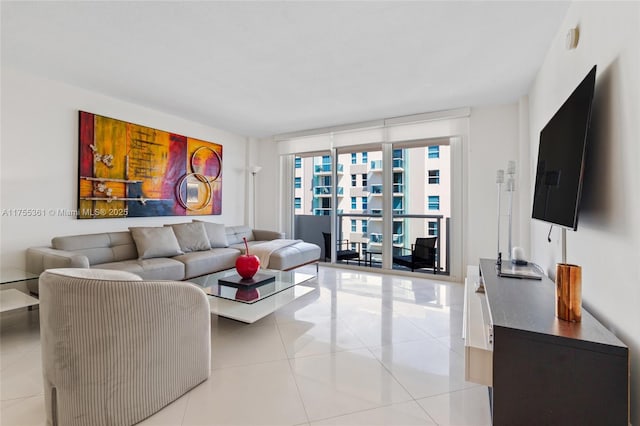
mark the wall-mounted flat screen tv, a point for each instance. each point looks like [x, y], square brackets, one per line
[561, 158]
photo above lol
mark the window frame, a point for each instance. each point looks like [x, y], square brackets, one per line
[435, 178]
[433, 151]
[433, 200]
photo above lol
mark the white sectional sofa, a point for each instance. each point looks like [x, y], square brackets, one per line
[173, 252]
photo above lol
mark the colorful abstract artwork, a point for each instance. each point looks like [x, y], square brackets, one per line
[128, 170]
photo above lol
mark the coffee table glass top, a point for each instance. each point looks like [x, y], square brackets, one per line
[251, 294]
[13, 275]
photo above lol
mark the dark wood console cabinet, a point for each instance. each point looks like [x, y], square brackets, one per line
[547, 371]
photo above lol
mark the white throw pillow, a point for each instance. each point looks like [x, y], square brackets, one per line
[191, 236]
[216, 233]
[155, 242]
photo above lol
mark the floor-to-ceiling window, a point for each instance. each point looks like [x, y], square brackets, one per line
[421, 207]
[420, 201]
[383, 190]
[357, 214]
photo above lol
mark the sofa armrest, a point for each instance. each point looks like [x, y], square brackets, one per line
[41, 258]
[264, 235]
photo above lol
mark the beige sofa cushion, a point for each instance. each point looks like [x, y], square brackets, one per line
[293, 256]
[159, 268]
[155, 242]
[216, 233]
[236, 233]
[191, 236]
[204, 262]
[98, 248]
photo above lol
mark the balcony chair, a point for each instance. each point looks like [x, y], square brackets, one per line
[116, 349]
[423, 255]
[341, 254]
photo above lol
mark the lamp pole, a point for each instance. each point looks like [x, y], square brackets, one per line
[254, 171]
[499, 181]
[511, 187]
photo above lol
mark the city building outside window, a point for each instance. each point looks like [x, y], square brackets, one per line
[364, 226]
[298, 182]
[398, 205]
[364, 203]
[353, 180]
[365, 157]
[353, 203]
[433, 228]
[434, 177]
[365, 180]
[433, 202]
[298, 203]
[353, 158]
[433, 151]
[298, 162]
[353, 225]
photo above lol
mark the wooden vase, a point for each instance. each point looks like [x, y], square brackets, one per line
[569, 292]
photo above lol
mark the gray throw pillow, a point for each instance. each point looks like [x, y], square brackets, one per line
[191, 236]
[216, 233]
[155, 242]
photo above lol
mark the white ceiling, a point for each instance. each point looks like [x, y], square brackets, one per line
[263, 68]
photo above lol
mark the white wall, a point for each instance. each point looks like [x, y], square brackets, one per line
[607, 242]
[268, 203]
[494, 141]
[39, 159]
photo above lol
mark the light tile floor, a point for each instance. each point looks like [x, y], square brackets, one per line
[363, 349]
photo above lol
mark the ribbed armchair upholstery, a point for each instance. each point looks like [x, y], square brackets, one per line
[116, 349]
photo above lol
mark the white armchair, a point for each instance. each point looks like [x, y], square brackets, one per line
[116, 349]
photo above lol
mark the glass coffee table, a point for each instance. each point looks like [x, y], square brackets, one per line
[11, 298]
[250, 303]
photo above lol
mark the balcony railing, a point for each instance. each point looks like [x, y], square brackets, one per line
[322, 212]
[376, 189]
[375, 238]
[398, 163]
[400, 240]
[326, 191]
[326, 168]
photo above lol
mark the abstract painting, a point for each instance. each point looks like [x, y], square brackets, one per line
[129, 170]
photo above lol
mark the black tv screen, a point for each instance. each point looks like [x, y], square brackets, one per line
[561, 158]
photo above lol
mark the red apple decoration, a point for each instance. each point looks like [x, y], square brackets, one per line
[247, 264]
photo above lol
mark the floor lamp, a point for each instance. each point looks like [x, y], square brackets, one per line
[511, 187]
[254, 171]
[499, 181]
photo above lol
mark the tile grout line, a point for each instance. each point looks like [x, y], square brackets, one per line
[293, 375]
[413, 398]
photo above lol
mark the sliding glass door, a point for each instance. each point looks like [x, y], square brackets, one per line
[404, 225]
[359, 219]
[421, 207]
